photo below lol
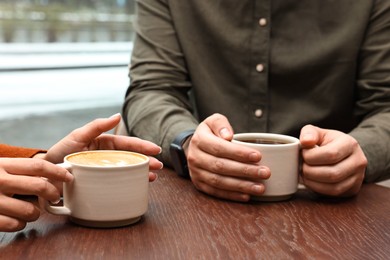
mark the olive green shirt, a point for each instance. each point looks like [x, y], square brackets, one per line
[267, 65]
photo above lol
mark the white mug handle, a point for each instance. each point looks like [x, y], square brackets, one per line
[58, 210]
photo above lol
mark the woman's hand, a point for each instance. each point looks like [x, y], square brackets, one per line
[91, 137]
[23, 176]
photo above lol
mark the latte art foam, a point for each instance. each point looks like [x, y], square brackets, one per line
[112, 162]
[105, 158]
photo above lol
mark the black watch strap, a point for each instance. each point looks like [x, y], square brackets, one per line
[178, 157]
[180, 138]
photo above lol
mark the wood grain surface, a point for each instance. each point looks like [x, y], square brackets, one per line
[182, 223]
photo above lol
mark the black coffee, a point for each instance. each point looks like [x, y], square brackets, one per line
[263, 141]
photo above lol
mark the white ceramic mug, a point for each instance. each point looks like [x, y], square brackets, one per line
[110, 188]
[280, 153]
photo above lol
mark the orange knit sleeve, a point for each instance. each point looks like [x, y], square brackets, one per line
[18, 152]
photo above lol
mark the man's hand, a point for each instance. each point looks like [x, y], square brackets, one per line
[333, 162]
[221, 168]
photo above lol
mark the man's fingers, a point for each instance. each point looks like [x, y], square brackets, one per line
[348, 187]
[205, 141]
[331, 153]
[325, 174]
[334, 173]
[327, 155]
[220, 126]
[222, 194]
[226, 167]
[310, 136]
[220, 184]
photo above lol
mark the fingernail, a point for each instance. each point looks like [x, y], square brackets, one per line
[308, 136]
[69, 176]
[263, 173]
[245, 197]
[115, 115]
[55, 201]
[258, 189]
[161, 166]
[224, 133]
[160, 151]
[254, 157]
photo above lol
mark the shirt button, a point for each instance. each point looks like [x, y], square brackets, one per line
[263, 22]
[260, 67]
[258, 113]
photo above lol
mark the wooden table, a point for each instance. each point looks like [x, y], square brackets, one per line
[182, 223]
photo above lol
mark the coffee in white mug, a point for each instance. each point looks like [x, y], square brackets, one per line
[110, 188]
[280, 153]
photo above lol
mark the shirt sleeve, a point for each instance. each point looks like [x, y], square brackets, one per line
[157, 106]
[373, 133]
[18, 152]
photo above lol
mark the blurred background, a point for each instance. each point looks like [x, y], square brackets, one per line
[62, 64]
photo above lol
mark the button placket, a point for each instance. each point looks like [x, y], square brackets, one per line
[262, 22]
[258, 113]
[260, 67]
[259, 62]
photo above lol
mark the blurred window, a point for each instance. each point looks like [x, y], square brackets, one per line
[62, 64]
[66, 20]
